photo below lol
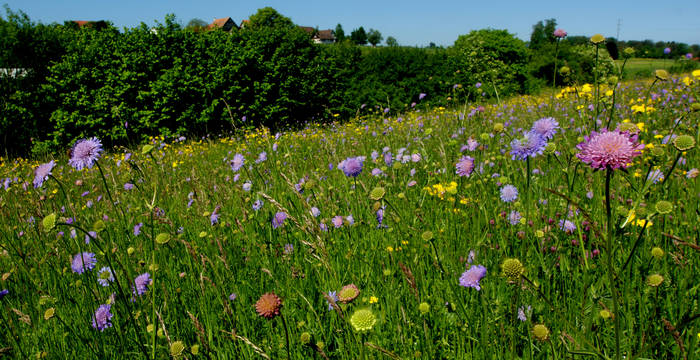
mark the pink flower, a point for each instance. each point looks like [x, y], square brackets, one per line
[560, 33]
[609, 149]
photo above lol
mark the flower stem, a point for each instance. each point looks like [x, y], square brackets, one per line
[286, 335]
[610, 252]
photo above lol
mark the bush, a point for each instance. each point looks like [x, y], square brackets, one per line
[495, 58]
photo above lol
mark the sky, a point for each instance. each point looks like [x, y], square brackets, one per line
[411, 22]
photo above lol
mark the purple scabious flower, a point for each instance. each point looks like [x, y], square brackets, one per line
[315, 212]
[560, 33]
[4, 293]
[42, 172]
[83, 261]
[380, 217]
[141, 283]
[545, 127]
[247, 186]
[137, 229]
[655, 176]
[262, 157]
[421, 96]
[214, 217]
[237, 162]
[337, 221]
[334, 296]
[350, 220]
[257, 205]
[509, 193]
[232, 297]
[609, 149]
[84, 153]
[667, 50]
[514, 217]
[105, 276]
[102, 318]
[388, 159]
[523, 312]
[90, 235]
[567, 226]
[352, 166]
[465, 166]
[529, 146]
[278, 219]
[473, 276]
[128, 186]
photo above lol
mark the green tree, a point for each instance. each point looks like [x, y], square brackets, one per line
[359, 36]
[196, 23]
[391, 41]
[542, 33]
[268, 17]
[339, 33]
[374, 37]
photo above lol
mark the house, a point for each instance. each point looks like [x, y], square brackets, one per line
[244, 23]
[320, 36]
[225, 24]
[83, 24]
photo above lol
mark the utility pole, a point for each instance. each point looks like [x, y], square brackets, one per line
[619, 23]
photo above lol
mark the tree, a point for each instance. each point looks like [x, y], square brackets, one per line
[374, 37]
[196, 23]
[542, 33]
[268, 17]
[339, 33]
[359, 36]
[391, 41]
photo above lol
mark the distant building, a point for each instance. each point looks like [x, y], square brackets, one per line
[320, 36]
[83, 24]
[245, 23]
[225, 24]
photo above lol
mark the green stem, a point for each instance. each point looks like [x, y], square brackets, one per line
[286, 335]
[610, 252]
[597, 88]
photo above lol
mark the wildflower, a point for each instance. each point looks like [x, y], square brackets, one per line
[523, 312]
[269, 305]
[352, 166]
[42, 172]
[128, 186]
[529, 146]
[465, 166]
[657, 252]
[540, 332]
[337, 221]
[350, 220]
[655, 176]
[373, 299]
[83, 261]
[667, 50]
[424, 308]
[305, 338]
[380, 217]
[247, 186]
[3, 293]
[137, 229]
[141, 283]
[348, 293]
[514, 217]
[237, 162]
[663, 207]
[597, 39]
[257, 204]
[102, 318]
[692, 173]
[232, 297]
[262, 157]
[315, 212]
[509, 193]
[278, 219]
[473, 276]
[655, 280]
[609, 149]
[421, 96]
[332, 295]
[84, 153]
[512, 269]
[545, 127]
[661, 74]
[560, 33]
[176, 348]
[363, 320]
[567, 226]
[105, 276]
[684, 142]
[214, 217]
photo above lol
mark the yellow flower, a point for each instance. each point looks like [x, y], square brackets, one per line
[373, 299]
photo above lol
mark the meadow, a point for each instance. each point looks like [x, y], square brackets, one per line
[511, 229]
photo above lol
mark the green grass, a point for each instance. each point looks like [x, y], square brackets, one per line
[638, 68]
[407, 269]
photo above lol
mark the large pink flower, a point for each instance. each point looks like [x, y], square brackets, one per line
[609, 149]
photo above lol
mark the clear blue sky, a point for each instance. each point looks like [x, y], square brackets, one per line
[410, 22]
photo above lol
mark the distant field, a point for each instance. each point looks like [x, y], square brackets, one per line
[641, 68]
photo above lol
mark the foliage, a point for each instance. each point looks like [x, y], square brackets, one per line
[391, 41]
[543, 33]
[339, 33]
[359, 36]
[374, 37]
[496, 58]
[268, 17]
